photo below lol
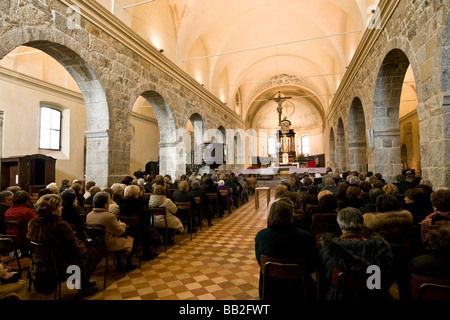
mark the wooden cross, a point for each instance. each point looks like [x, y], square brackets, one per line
[279, 99]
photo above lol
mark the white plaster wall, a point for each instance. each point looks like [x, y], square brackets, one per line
[145, 143]
[20, 100]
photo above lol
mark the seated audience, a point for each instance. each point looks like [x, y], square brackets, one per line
[14, 290]
[52, 186]
[226, 198]
[228, 181]
[330, 184]
[402, 184]
[159, 199]
[130, 205]
[115, 238]
[390, 222]
[21, 212]
[418, 202]
[435, 262]
[50, 228]
[440, 199]
[78, 189]
[210, 187]
[252, 183]
[311, 196]
[390, 189]
[87, 187]
[88, 202]
[65, 184]
[353, 198]
[280, 190]
[371, 205]
[353, 252]
[5, 203]
[113, 206]
[182, 194]
[197, 191]
[282, 240]
[70, 213]
[396, 227]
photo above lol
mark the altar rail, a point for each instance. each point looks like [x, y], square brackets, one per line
[275, 170]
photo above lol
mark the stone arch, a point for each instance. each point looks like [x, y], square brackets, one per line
[236, 147]
[94, 96]
[357, 156]
[341, 156]
[171, 143]
[199, 135]
[221, 135]
[332, 149]
[386, 114]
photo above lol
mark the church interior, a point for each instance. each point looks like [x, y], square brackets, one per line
[107, 88]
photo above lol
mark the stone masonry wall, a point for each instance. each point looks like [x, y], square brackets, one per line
[419, 31]
[111, 77]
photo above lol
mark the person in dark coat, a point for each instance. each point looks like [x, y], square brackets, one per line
[371, 205]
[182, 194]
[440, 199]
[282, 240]
[402, 184]
[131, 205]
[435, 262]
[70, 213]
[50, 228]
[418, 202]
[196, 191]
[210, 187]
[353, 252]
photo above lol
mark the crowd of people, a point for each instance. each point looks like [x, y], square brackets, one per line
[368, 220]
[359, 220]
[60, 217]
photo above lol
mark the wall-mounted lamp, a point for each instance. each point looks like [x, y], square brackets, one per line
[161, 50]
[202, 84]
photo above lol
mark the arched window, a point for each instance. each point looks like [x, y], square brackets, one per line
[305, 145]
[271, 146]
[50, 128]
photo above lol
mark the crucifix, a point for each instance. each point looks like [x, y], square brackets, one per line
[279, 99]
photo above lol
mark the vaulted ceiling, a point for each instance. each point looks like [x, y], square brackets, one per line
[246, 51]
[243, 51]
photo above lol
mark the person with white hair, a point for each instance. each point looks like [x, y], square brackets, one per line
[53, 186]
[228, 198]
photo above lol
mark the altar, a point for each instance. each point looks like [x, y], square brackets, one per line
[286, 143]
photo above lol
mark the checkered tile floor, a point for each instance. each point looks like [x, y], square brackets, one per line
[218, 263]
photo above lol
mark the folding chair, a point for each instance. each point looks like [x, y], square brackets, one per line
[186, 206]
[429, 288]
[99, 228]
[294, 269]
[161, 211]
[8, 245]
[214, 204]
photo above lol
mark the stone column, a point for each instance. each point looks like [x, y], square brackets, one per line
[387, 153]
[97, 154]
[170, 161]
